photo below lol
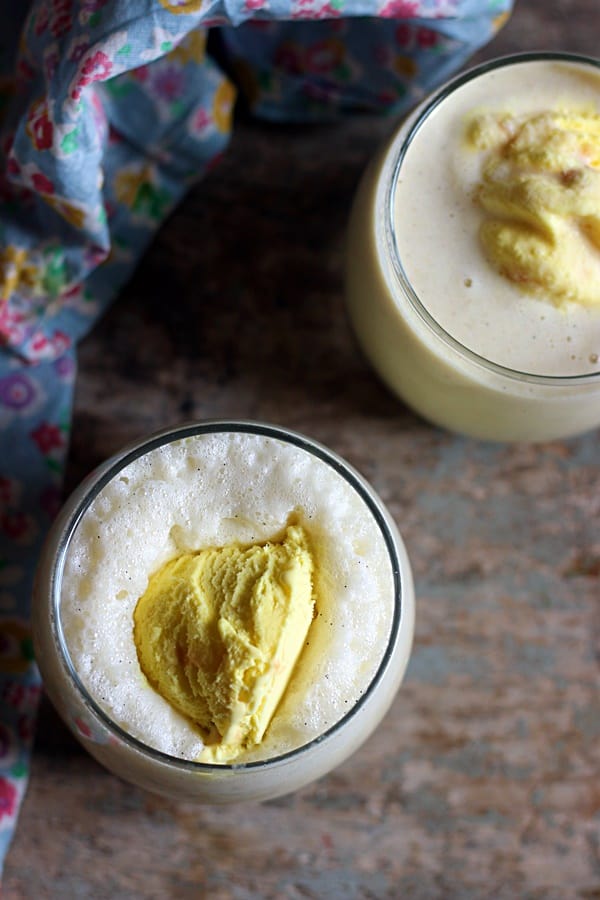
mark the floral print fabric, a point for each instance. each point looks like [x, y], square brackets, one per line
[109, 110]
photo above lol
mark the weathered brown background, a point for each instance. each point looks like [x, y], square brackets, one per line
[483, 782]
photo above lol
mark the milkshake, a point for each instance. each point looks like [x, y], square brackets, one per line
[224, 611]
[473, 274]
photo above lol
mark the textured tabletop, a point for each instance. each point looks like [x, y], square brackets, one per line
[483, 780]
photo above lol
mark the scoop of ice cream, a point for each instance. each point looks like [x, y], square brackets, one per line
[540, 185]
[218, 634]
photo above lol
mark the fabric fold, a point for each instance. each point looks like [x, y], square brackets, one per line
[109, 111]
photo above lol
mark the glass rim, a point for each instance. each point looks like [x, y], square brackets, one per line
[422, 114]
[216, 426]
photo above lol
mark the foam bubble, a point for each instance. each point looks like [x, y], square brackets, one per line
[211, 490]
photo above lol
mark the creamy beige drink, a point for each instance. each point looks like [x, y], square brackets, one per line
[222, 598]
[474, 253]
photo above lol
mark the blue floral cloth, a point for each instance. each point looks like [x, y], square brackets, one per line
[109, 110]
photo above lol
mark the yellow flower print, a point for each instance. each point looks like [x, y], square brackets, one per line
[11, 261]
[405, 66]
[325, 56]
[16, 271]
[223, 106]
[16, 653]
[30, 277]
[500, 21]
[139, 190]
[181, 7]
[74, 215]
[127, 185]
[191, 49]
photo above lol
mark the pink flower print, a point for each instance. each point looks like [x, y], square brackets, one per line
[325, 57]
[41, 20]
[74, 292]
[12, 329]
[97, 67]
[399, 9]
[251, 5]
[18, 526]
[9, 492]
[140, 74]
[307, 11]
[39, 127]
[39, 343]
[20, 697]
[200, 120]
[64, 367]
[12, 166]
[404, 35]
[42, 184]
[8, 798]
[78, 50]
[113, 136]
[328, 12]
[169, 83]
[48, 437]
[17, 391]
[25, 72]
[386, 98]
[60, 342]
[93, 256]
[51, 61]
[60, 18]
[304, 11]
[427, 38]
[8, 142]
[88, 8]
[100, 120]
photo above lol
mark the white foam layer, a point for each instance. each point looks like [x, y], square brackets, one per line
[208, 491]
[437, 227]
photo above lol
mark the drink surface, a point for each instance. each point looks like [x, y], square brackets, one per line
[213, 490]
[437, 222]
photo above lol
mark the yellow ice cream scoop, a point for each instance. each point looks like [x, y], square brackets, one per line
[218, 634]
[540, 188]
